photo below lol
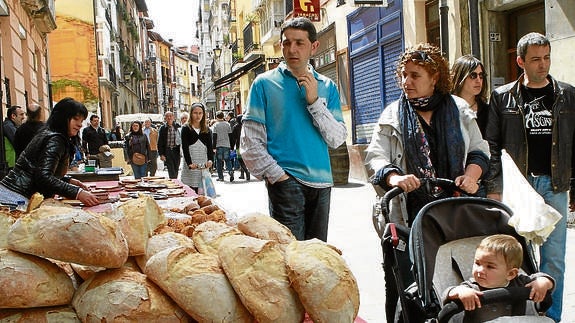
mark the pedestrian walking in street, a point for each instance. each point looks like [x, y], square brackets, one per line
[93, 137]
[15, 116]
[470, 83]
[427, 133]
[137, 150]
[293, 114]
[533, 119]
[29, 128]
[222, 133]
[152, 134]
[236, 134]
[197, 147]
[169, 141]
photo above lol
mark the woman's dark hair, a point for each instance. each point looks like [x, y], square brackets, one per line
[203, 123]
[429, 57]
[461, 69]
[65, 110]
[139, 132]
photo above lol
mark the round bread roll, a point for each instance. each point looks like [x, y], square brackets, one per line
[256, 269]
[28, 281]
[198, 284]
[69, 235]
[324, 283]
[124, 295]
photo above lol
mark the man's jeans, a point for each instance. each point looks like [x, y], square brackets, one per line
[223, 154]
[153, 164]
[303, 209]
[553, 250]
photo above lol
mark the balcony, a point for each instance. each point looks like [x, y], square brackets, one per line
[252, 48]
[42, 13]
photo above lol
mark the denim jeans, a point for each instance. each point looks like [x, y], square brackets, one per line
[553, 250]
[223, 155]
[139, 170]
[303, 209]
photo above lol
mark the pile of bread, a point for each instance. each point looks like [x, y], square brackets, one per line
[63, 264]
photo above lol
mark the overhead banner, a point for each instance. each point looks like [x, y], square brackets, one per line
[307, 8]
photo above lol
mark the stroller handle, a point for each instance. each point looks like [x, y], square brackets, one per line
[427, 183]
[507, 295]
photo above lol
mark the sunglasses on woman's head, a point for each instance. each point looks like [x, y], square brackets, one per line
[474, 75]
[421, 56]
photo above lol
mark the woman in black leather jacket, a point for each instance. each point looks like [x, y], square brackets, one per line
[43, 165]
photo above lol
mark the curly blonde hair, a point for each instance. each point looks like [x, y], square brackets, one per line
[431, 59]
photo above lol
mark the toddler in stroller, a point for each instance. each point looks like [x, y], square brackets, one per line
[497, 262]
[438, 252]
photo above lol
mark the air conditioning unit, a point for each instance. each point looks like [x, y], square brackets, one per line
[360, 3]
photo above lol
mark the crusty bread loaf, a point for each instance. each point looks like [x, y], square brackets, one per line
[323, 281]
[124, 295]
[161, 242]
[39, 314]
[70, 235]
[6, 222]
[207, 236]
[198, 284]
[28, 281]
[256, 270]
[138, 219]
[265, 227]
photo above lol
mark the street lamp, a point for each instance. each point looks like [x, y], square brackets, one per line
[217, 52]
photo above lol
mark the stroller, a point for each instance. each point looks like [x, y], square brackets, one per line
[439, 249]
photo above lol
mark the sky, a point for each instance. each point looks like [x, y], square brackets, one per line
[174, 19]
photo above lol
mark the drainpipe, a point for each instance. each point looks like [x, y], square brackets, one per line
[474, 27]
[443, 27]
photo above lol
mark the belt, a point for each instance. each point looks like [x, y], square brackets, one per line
[535, 174]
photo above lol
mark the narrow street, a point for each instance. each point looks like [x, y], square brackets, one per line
[352, 232]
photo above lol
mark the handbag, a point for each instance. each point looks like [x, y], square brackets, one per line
[207, 187]
[138, 159]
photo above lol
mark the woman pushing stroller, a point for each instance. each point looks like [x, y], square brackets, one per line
[427, 133]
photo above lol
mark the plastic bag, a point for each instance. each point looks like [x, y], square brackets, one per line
[207, 187]
[532, 217]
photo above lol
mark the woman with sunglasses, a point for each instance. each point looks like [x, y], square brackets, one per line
[427, 133]
[470, 83]
[196, 146]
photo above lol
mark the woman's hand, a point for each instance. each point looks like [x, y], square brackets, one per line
[407, 182]
[467, 183]
[78, 183]
[87, 198]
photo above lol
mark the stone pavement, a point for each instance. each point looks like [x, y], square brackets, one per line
[352, 232]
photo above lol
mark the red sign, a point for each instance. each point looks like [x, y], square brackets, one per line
[307, 8]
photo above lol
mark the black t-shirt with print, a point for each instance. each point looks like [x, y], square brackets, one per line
[538, 111]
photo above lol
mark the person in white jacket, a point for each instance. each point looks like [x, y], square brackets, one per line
[427, 133]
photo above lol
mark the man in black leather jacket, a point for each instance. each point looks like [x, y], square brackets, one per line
[533, 119]
[43, 164]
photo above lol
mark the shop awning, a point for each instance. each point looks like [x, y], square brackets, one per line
[234, 75]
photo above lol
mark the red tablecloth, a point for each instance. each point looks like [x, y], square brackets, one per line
[115, 193]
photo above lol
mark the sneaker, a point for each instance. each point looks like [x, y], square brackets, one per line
[231, 177]
[241, 177]
[220, 179]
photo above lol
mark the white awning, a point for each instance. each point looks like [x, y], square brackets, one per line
[139, 117]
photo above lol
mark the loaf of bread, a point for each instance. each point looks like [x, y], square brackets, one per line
[198, 284]
[265, 227]
[323, 281]
[161, 242]
[256, 269]
[70, 235]
[6, 222]
[207, 236]
[28, 281]
[124, 295]
[138, 219]
[40, 314]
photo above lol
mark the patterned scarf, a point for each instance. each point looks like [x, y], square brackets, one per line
[450, 148]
